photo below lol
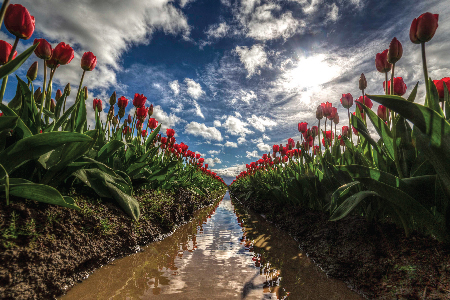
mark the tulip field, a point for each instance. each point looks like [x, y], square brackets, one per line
[404, 177]
[47, 149]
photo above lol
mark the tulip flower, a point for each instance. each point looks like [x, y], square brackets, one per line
[347, 100]
[52, 63]
[381, 62]
[276, 148]
[113, 99]
[43, 50]
[382, 112]
[88, 61]
[197, 156]
[319, 112]
[440, 86]
[129, 119]
[122, 102]
[19, 22]
[63, 53]
[332, 113]
[32, 71]
[367, 102]
[152, 123]
[141, 113]
[399, 86]
[314, 131]
[170, 132]
[345, 131]
[395, 51]
[5, 52]
[97, 103]
[302, 127]
[362, 82]
[139, 100]
[341, 140]
[52, 105]
[327, 108]
[58, 94]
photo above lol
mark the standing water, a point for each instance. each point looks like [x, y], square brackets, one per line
[223, 253]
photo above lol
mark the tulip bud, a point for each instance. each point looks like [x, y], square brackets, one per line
[115, 121]
[43, 50]
[19, 22]
[85, 92]
[88, 61]
[382, 63]
[362, 82]
[395, 51]
[32, 71]
[423, 28]
[336, 118]
[347, 99]
[121, 112]
[58, 94]
[110, 113]
[52, 105]
[382, 112]
[129, 119]
[319, 112]
[112, 99]
[67, 89]
[150, 110]
[97, 103]
[298, 145]
[37, 94]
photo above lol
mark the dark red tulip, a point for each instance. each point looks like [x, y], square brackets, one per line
[170, 132]
[382, 112]
[139, 100]
[276, 148]
[97, 103]
[152, 123]
[63, 53]
[5, 51]
[43, 50]
[345, 131]
[326, 108]
[314, 131]
[197, 156]
[399, 86]
[122, 102]
[423, 28]
[336, 118]
[141, 112]
[19, 22]
[347, 99]
[333, 113]
[88, 61]
[52, 63]
[395, 51]
[319, 112]
[382, 63]
[129, 119]
[440, 86]
[367, 102]
[32, 71]
[302, 127]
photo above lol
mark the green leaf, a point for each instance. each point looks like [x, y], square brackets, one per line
[16, 102]
[152, 136]
[40, 192]
[14, 64]
[64, 117]
[34, 146]
[59, 105]
[359, 125]
[109, 149]
[413, 94]
[81, 114]
[48, 113]
[350, 204]
[433, 99]
[8, 123]
[447, 102]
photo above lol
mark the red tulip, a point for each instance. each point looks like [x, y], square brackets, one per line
[170, 132]
[1, 114]
[206, 166]
[58, 94]
[423, 28]
[197, 156]
[326, 108]
[152, 123]
[129, 119]
[63, 53]
[43, 50]
[367, 102]
[382, 63]
[345, 131]
[440, 86]
[399, 86]
[122, 102]
[5, 51]
[201, 160]
[88, 61]
[319, 112]
[97, 103]
[332, 113]
[341, 140]
[139, 124]
[139, 100]
[302, 127]
[395, 51]
[52, 63]
[276, 148]
[125, 130]
[163, 140]
[314, 131]
[336, 118]
[316, 150]
[19, 22]
[347, 100]
[382, 112]
[141, 112]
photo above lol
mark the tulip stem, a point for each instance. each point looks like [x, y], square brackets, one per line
[394, 133]
[387, 93]
[42, 97]
[392, 79]
[49, 92]
[3, 11]
[425, 73]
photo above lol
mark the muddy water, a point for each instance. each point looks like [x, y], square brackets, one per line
[224, 253]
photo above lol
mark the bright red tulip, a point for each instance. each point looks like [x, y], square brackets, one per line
[382, 112]
[302, 127]
[201, 160]
[367, 102]
[19, 22]
[152, 123]
[423, 28]
[276, 148]
[170, 132]
[395, 51]
[347, 99]
[141, 112]
[382, 63]
[399, 86]
[326, 108]
[163, 140]
[88, 61]
[97, 103]
[5, 51]
[197, 156]
[122, 102]
[341, 140]
[1, 114]
[440, 86]
[63, 53]
[345, 131]
[43, 50]
[139, 100]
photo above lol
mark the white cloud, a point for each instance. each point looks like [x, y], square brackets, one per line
[247, 96]
[231, 144]
[194, 89]
[217, 123]
[261, 123]
[241, 140]
[183, 3]
[214, 152]
[231, 171]
[263, 147]
[200, 129]
[212, 161]
[217, 30]
[236, 127]
[333, 14]
[265, 137]
[175, 86]
[198, 110]
[167, 120]
[253, 58]
[252, 154]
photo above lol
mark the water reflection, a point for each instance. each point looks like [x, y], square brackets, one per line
[224, 253]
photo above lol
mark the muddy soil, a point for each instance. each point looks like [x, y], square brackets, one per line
[376, 260]
[45, 249]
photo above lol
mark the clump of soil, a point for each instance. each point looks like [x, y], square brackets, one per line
[45, 249]
[374, 259]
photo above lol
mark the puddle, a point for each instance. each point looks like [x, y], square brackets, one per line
[223, 253]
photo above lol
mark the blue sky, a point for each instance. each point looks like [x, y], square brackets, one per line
[234, 77]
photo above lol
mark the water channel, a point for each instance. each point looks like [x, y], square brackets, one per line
[223, 253]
